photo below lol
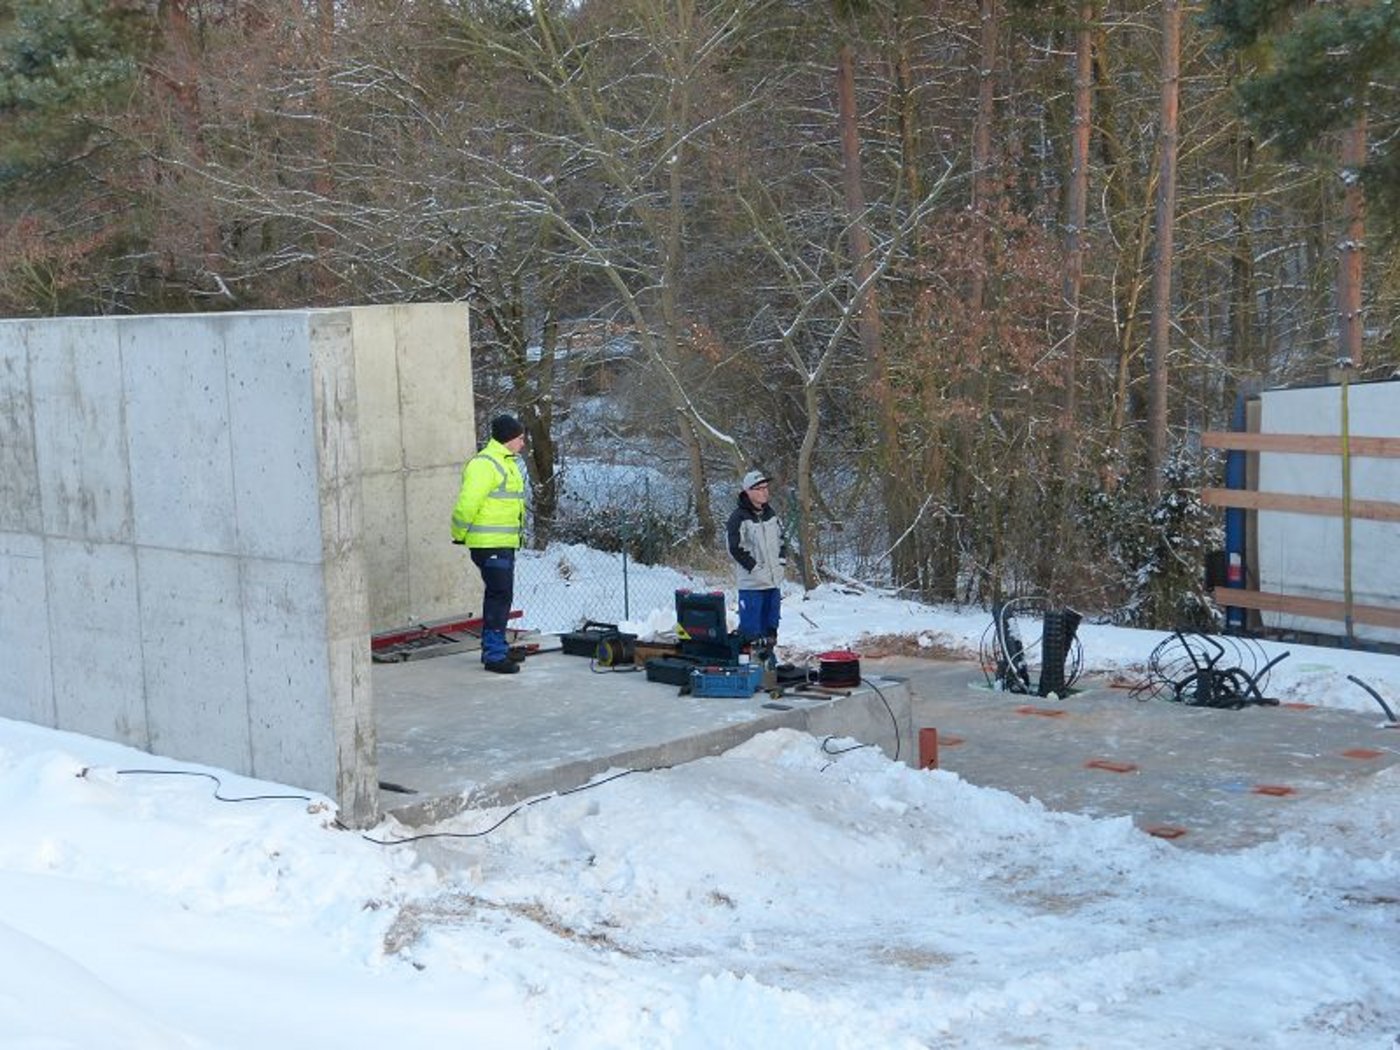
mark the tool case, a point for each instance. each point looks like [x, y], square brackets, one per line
[739, 680]
[671, 670]
[584, 642]
[702, 628]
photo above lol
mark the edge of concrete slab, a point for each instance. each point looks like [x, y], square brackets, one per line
[877, 713]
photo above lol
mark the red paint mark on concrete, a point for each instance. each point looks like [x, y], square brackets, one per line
[1362, 753]
[1275, 790]
[1109, 765]
[1043, 712]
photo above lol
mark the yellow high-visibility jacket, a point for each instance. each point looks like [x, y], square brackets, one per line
[490, 510]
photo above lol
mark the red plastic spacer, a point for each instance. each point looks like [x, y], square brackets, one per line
[1043, 712]
[1165, 831]
[928, 748]
[1362, 753]
[1276, 790]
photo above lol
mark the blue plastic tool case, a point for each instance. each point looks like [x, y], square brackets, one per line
[738, 680]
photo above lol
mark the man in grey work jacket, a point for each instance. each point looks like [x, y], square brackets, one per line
[757, 546]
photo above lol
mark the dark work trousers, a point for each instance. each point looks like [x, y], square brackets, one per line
[497, 565]
[759, 612]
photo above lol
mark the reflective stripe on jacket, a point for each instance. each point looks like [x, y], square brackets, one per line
[490, 510]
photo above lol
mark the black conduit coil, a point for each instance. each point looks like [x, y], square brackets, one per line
[1207, 670]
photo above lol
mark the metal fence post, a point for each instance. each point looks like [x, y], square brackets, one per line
[626, 611]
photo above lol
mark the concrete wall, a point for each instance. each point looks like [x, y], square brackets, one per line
[186, 542]
[1302, 554]
[417, 428]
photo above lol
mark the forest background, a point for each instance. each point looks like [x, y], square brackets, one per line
[968, 278]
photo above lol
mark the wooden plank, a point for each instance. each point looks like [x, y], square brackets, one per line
[1317, 444]
[1317, 608]
[1327, 506]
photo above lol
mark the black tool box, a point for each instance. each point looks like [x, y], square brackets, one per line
[584, 642]
[702, 628]
[672, 670]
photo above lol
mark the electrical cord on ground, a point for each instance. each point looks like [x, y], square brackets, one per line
[607, 668]
[826, 741]
[486, 831]
[842, 750]
[1389, 714]
[893, 721]
[218, 784]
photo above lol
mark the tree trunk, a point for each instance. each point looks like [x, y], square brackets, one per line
[1162, 263]
[1350, 317]
[323, 184]
[1241, 348]
[538, 417]
[1075, 221]
[982, 180]
[806, 501]
[673, 249]
[867, 308]
[181, 78]
[1135, 249]
[704, 511]
[908, 112]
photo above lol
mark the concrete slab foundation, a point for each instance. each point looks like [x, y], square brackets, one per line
[1204, 778]
[459, 737]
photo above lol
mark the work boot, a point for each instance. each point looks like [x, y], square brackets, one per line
[502, 666]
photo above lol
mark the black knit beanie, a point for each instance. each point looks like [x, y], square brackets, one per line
[506, 427]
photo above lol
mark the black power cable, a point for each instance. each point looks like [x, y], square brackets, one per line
[218, 784]
[898, 745]
[1374, 696]
[893, 721]
[513, 812]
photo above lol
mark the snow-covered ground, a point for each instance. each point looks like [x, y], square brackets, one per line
[777, 896]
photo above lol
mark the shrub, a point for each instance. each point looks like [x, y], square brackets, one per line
[1157, 549]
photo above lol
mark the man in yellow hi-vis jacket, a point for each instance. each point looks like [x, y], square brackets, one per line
[489, 518]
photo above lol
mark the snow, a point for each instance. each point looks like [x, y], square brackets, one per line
[777, 896]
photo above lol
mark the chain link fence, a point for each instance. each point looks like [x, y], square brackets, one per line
[615, 544]
[562, 587]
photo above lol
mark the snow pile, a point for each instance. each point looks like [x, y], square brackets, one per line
[782, 895]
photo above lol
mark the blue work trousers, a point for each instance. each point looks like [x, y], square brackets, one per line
[497, 565]
[759, 612]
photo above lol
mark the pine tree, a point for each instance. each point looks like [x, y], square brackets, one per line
[61, 61]
[1316, 67]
